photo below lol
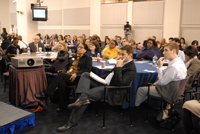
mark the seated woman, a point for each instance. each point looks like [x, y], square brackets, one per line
[75, 40]
[46, 39]
[70, 75]
[62, 52]
[94, 49]
[12, 49]
[191, 116]
[149, 50]
[55, 47]
[195, 44]
[111, 51]
[183, 43]
[192, 64]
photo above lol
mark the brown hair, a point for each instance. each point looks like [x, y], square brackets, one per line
[128, 48]
[96, 45]
[132, 40]
[61, 36]
[172, 46]
[64, 45]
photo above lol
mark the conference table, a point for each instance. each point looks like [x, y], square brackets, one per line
[145, 73]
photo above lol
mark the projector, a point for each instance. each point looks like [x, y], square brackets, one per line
[26, 61]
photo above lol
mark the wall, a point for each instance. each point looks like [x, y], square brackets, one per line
[190, 20]
[4, 15]
[66, 17]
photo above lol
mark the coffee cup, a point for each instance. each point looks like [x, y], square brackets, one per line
[40, 50]
[103, 63]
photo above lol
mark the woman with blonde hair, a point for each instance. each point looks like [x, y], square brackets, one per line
[62, 52]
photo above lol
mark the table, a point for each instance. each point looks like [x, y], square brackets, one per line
[24, 83]
[142, 79]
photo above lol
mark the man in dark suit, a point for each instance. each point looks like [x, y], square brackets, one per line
[119, 43]
[34, 46]
[90, 90]
[5, 41]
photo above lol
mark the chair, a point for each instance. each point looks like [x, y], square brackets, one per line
[117, 88]
[181, 96]
[190, 91]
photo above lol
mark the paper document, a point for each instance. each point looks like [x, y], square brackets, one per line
[97, 78]
[106, 67]
[151, 71]
[112, 61]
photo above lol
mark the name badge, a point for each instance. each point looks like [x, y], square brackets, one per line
[73, 58]
[70, 70]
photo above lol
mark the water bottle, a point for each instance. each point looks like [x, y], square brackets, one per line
[28, 50]
[17, 52]
[98, 57]
[70, 52]
[155, 60]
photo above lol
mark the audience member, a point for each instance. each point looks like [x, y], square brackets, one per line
[55, 48]
[149, 51]
[56, 36]
[53, 40]
[119, 43]
[153, 37]
[70, 75]
[62, 52]
[99, 41]
[111, 51]
[132, 43]
[22, 44]
[84, 38]
[94, 50]
[183, 45]
[12, 49]
[175, 71]
[158, 44]
[13, 30]
[5, 42]
[191, 117]
[180, 52]
[68, 40]
[192, 64]
[74, 40]
[195, 44]
[123, 73]
[4, 31]
[46, 39]
[87, 42]
[171, 39]
[34, 46]
[107, 43]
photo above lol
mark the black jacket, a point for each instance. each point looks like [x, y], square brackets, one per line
[5, 44]
[62, 55]
[123, 75]
[84, 64]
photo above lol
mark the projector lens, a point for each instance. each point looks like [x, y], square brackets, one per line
[30, 62]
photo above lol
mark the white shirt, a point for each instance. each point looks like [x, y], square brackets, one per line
[181, 55]
[175, 71]
[14, 30]
[22, 44]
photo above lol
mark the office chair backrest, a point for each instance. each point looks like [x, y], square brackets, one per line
[182, 85]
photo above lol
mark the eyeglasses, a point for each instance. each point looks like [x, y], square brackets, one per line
[81, 47]
[112, 43]
[92, 45]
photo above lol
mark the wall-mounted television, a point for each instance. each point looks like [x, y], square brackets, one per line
[39, 13]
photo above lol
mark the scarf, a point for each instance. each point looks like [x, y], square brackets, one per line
[79, 56]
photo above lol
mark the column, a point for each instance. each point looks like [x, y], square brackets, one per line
[172, 18]
[26, 27]
[95, 17]
[130, 12]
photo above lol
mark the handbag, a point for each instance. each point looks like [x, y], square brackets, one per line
[117, 96]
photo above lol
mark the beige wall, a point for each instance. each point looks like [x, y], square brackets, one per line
[4, 15]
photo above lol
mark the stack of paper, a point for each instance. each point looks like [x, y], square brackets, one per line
[112, 61]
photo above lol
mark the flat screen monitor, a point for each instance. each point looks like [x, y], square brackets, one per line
[39, 14]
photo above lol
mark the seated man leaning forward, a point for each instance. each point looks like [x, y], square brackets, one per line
[70, 75]
[175, 71]
[90, 90]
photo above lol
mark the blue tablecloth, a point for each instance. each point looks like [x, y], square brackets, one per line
[142, 79]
